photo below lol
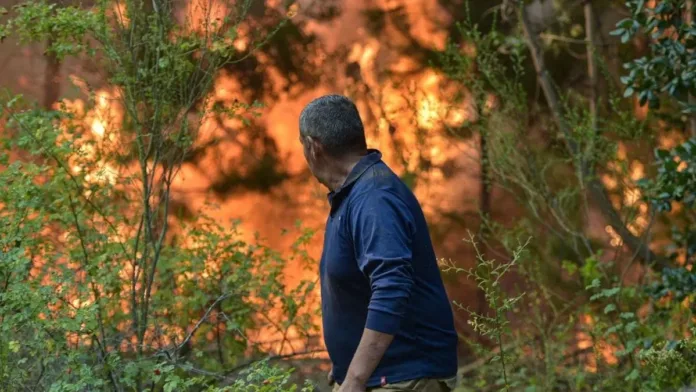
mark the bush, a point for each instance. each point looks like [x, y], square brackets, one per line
[102, 286]
[580, 311]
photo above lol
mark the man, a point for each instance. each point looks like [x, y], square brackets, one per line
[388, 324]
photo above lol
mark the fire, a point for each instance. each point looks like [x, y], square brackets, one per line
[98, 128]
[119, 14]
[616, 240]
[423, 101]
[601, 349]
[408, 121]
[365, 53]
[428, 112]
[631, 196]
[205, 15]
[103, 114]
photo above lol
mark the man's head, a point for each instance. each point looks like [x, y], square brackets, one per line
[332, 136]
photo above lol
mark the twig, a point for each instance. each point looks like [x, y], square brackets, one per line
[95, 290]
[235, 369]
[230, 372]
[200, 322]
[554, 37]
[466, 369]
[205, 316]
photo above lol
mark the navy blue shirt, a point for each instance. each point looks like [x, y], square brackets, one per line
[378, 271]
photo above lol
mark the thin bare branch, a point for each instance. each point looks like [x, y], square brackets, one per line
[200, 322]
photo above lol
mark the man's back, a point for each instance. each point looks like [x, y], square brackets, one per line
[379, 271]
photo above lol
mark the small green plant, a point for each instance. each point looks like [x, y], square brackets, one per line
[263, 378]
[489, 276]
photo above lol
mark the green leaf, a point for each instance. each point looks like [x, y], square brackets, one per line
[633, 375]
[570, 267]
[630, 327]
[617, 32]
[595, 284]
[609, 308]
[14, 346]
[172, 385]
[627, 315]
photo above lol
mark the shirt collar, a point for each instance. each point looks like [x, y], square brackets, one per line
[368, 160]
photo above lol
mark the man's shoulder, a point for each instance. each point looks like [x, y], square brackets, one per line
[379, 177]
[378, 188]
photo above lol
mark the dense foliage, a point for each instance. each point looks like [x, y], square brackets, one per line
[105, 285]
[585, 310]
[102, 288]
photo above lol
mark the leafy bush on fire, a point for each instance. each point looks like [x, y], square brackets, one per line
[104, 285]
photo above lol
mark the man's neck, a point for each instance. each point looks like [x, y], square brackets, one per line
[341, 171]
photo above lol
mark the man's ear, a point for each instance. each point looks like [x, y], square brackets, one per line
[316, 150]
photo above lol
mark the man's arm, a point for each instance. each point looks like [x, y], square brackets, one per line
[370, 351]
[382, 229]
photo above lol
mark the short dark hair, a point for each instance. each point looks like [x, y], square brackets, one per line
[334, 121]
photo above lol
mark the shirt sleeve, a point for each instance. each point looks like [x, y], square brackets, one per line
[382, 229]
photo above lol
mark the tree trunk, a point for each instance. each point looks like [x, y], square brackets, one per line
[591, 61]
[596, 188]
[51, 78]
